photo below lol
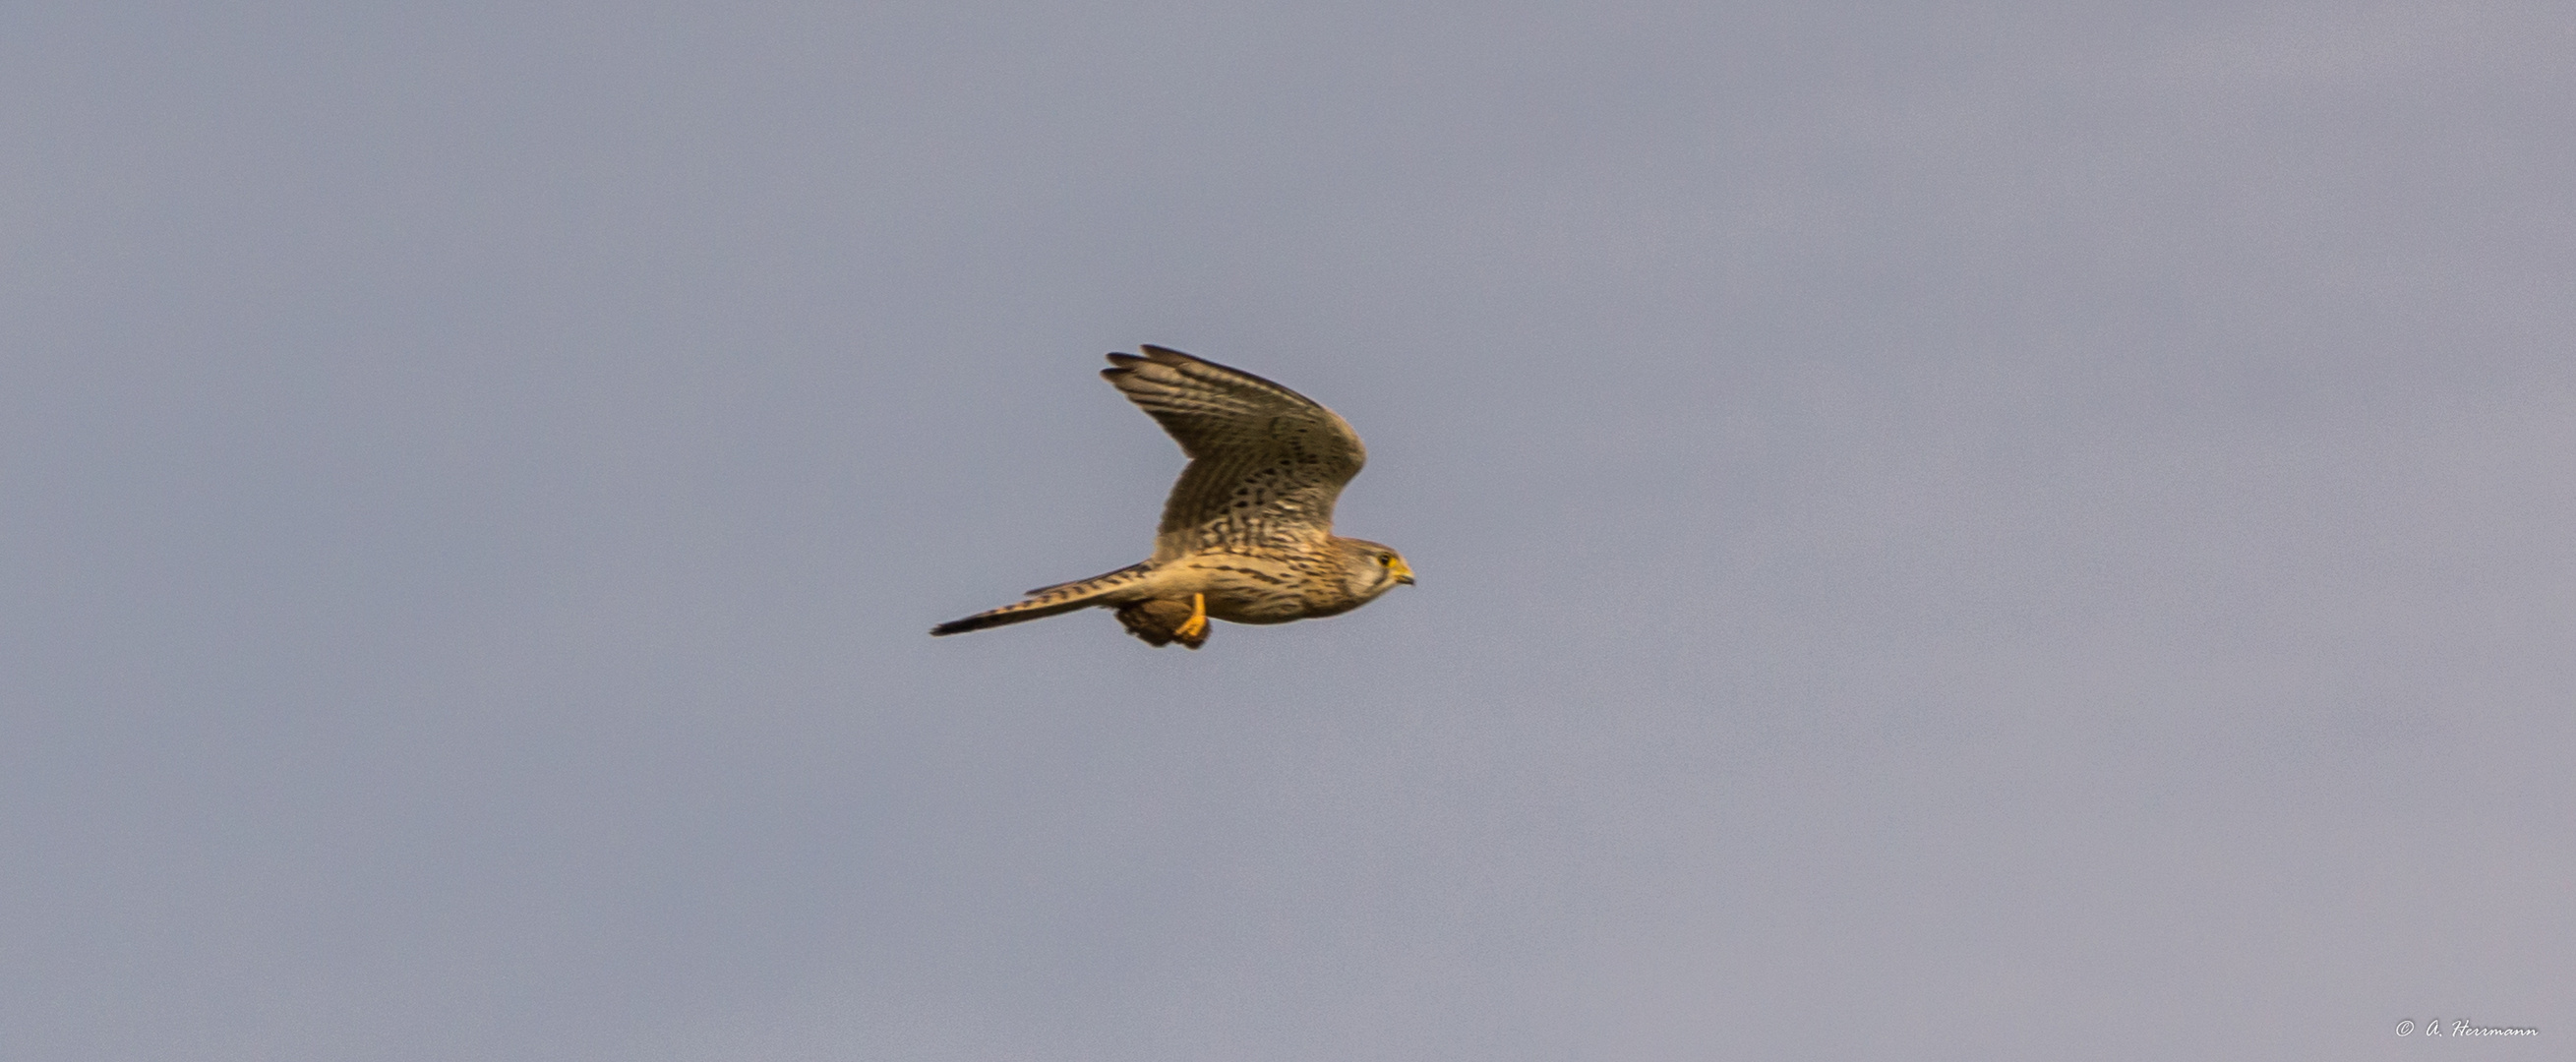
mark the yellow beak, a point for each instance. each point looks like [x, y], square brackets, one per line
[1403, 572]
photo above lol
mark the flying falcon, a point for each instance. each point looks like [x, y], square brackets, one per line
[1247, 534]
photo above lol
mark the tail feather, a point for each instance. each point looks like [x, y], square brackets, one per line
[1048, 601]
[1137, 568]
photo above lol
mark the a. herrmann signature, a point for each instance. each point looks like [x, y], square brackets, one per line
[2460, 1027]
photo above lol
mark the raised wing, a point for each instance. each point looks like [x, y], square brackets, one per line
[1265, 461]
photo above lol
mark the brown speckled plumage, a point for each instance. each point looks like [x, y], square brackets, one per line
[1247, 531]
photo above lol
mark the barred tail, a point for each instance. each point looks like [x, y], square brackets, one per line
[1049, 601]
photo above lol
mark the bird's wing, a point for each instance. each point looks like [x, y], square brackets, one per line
[1265, 461]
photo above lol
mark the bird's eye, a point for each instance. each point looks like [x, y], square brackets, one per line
[1387, 559]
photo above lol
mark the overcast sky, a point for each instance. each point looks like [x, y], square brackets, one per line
[1945, 531]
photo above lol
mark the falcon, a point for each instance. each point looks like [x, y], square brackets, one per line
[1247, 534]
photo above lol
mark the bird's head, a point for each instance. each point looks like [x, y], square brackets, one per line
[1372, 569]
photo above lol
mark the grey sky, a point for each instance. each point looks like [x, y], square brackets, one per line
[1946, 531]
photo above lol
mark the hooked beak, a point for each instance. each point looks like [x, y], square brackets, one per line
[1403, 573]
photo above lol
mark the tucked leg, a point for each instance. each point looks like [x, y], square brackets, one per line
[1193, 632]
[1157, 622]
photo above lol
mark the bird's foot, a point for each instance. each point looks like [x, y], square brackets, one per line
[1193, 632]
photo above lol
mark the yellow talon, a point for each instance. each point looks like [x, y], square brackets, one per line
[1196, 625]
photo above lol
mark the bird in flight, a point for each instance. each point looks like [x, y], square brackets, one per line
[1247, 534]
